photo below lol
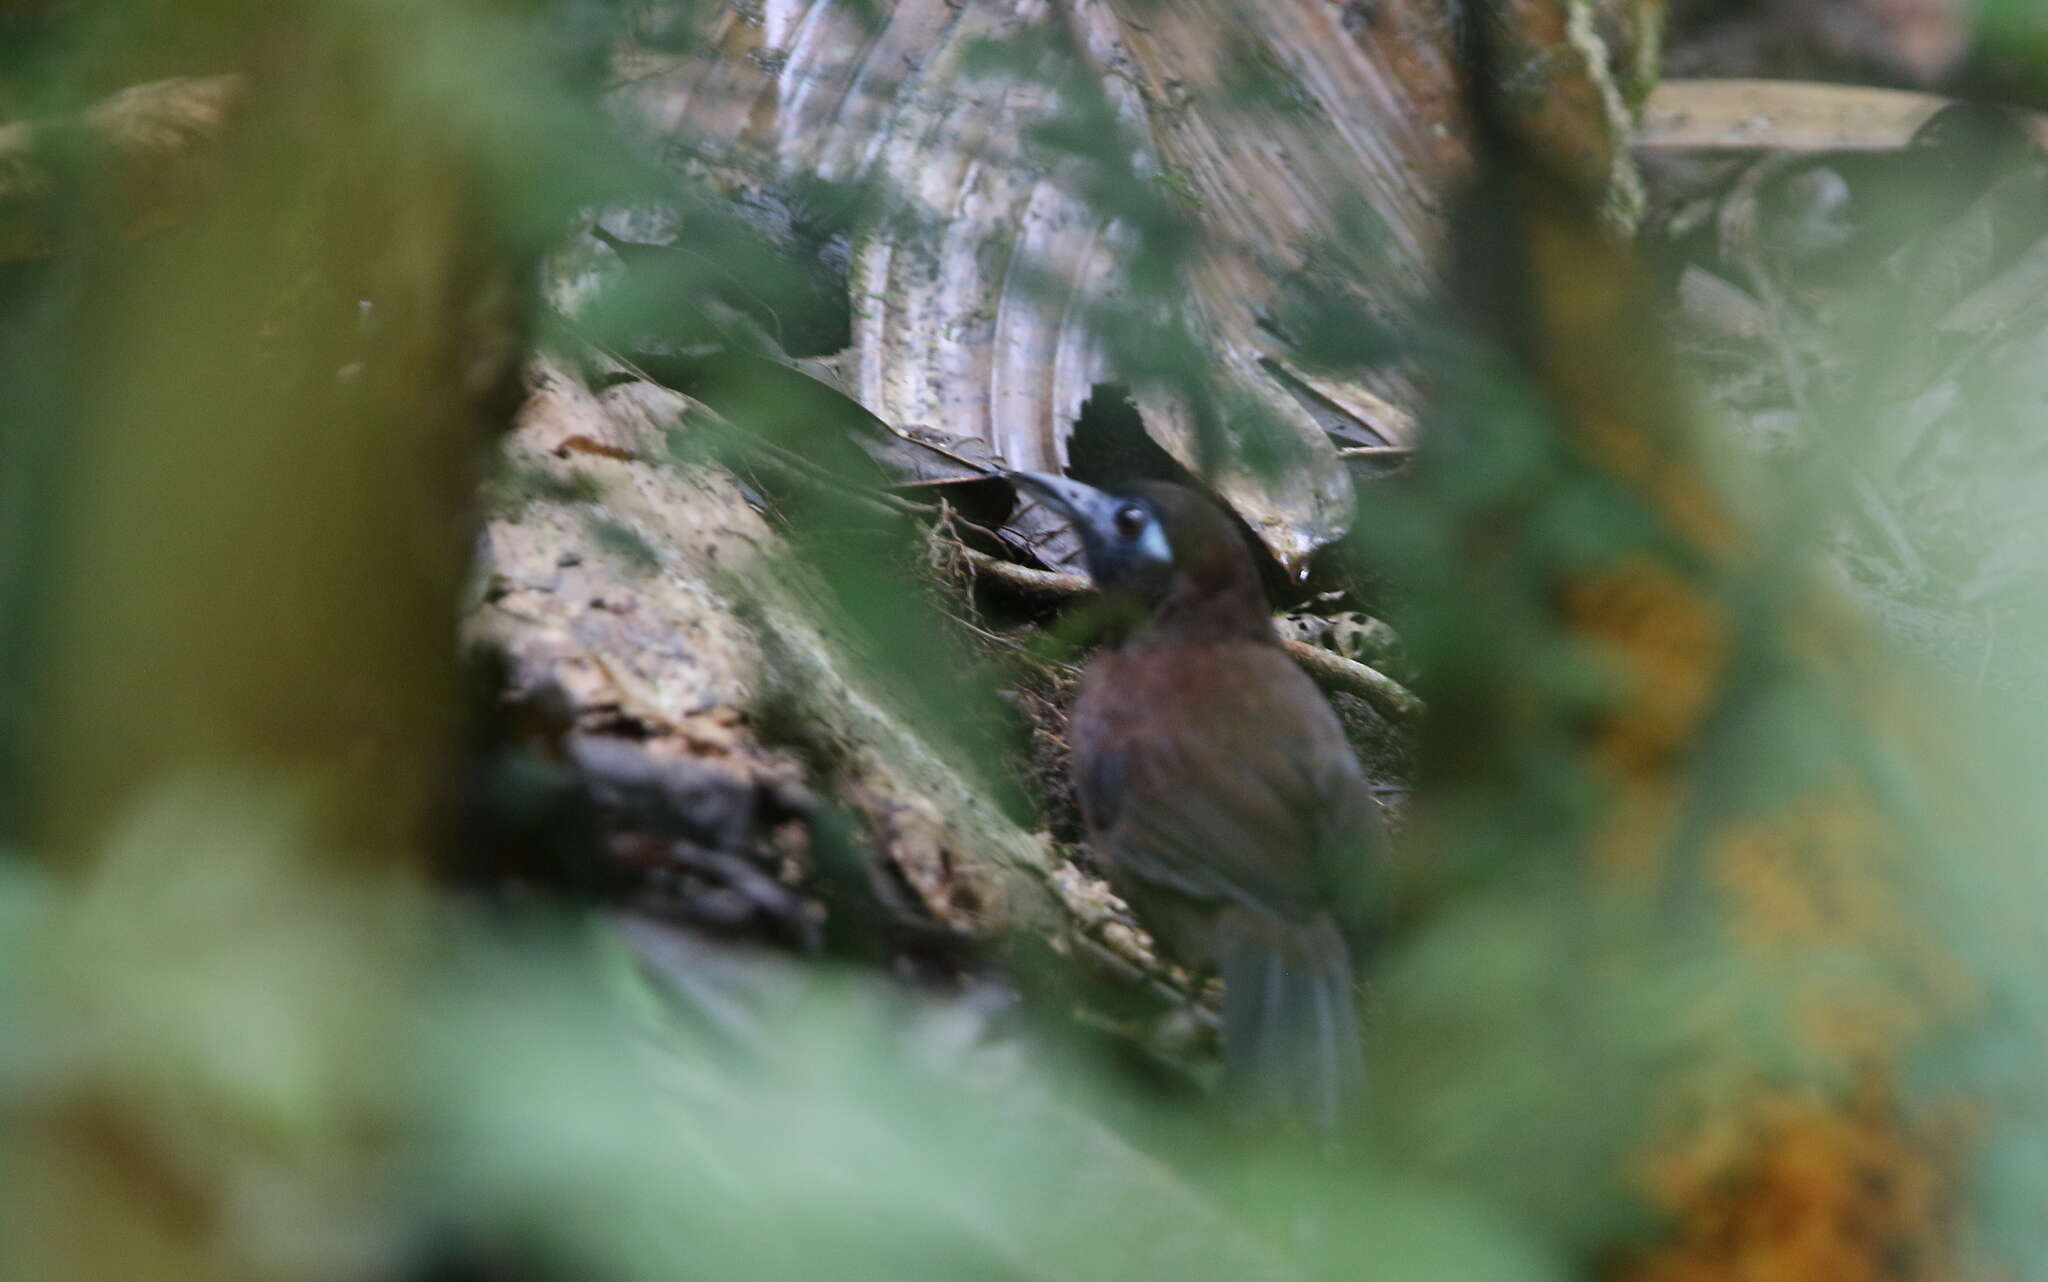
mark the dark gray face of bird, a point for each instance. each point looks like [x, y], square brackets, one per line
[1123, 536]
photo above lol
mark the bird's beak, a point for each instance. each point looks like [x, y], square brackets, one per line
[1084, 505]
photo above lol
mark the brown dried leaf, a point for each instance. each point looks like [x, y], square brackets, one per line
[972, 300]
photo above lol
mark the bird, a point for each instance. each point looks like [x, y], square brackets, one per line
[1219, 793]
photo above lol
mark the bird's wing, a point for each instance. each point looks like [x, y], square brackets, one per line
[1248, 795]
[1349, 842]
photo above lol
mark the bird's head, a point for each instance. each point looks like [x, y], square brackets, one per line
[1162, 547]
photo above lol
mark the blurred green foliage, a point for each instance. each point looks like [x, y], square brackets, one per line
[558, 1102]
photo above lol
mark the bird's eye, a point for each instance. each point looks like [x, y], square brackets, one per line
[1130, 520]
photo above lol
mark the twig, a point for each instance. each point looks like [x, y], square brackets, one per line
[1333, 671]
[1044, 585]
[1786, 116]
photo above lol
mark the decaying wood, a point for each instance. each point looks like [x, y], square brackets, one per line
[682, 647]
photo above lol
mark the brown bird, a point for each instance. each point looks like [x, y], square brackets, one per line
[1217, 787]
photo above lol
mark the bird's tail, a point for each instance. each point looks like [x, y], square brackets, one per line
[1291, 1043]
